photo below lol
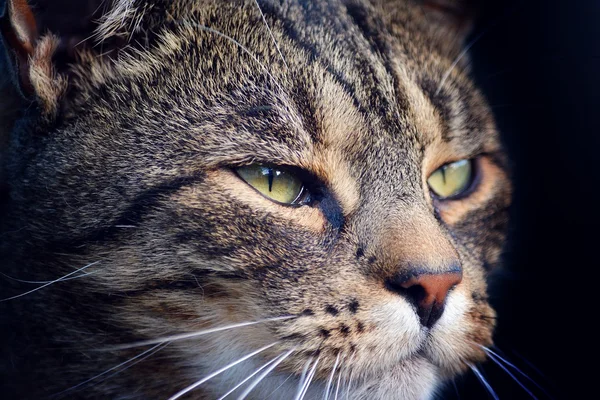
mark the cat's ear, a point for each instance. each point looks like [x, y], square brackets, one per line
[28, 57]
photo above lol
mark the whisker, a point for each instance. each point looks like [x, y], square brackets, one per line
[280, 385]
[198, 333]
[337, 388]
[264, 374]
[249, 377]
[456, 389]
[530, 365]
[151, 351]
[42, 282]
[484, 382]
[493, 358]
[50, 283]
[490, 352]
[303, 376]
[271, 33]
[241, 46]
[349, 383]
[343, 370]
[330, 380]
[219, 371]
[457, 60]
[466, 49]
[161, 346]
[309, 379]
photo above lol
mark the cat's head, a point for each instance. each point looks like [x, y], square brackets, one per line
[325, 169]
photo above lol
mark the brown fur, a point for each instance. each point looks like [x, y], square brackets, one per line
[130, 168]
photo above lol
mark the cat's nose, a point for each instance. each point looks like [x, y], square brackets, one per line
[426, 291]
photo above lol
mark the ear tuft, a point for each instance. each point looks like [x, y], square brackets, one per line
[46, 83]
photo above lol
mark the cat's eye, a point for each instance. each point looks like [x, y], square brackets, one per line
[452, 179]
[275, 183]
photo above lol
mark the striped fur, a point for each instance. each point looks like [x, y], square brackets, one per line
[133, 173]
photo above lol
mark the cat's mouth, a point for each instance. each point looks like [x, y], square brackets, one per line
[397, 347]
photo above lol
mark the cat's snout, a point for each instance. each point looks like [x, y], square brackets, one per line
[427, 291]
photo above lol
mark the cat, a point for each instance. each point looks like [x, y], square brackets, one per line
[287, 199]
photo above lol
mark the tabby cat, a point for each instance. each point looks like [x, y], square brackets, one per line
[272, 199]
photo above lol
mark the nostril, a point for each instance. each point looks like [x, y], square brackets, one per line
[397, 284]
[426, 292]
[414, 294]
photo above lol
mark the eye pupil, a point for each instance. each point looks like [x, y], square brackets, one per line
[271, 176]
[452, 179]
[276, 183]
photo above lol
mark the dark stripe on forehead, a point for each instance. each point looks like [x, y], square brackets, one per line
[441, 100]
[456, 100]
[368, 101]
[372, 30]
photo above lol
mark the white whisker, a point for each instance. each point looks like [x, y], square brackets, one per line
[51, 282]
[514, 367]
[303, 376]
[241, 46]
[457, 60]
[339, 379]
[280, 385]
[264, 374]
[309, 379]
[198, 333]
[42, 282]
[265, 365]
[349, 381]
[151, 351]
[219, 371]
[270, 33]
[330, 380]
[493, 358]
[484, 382]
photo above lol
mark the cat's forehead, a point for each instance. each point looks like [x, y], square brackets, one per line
[301, 81]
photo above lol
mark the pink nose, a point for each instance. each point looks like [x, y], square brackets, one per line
[427, 291]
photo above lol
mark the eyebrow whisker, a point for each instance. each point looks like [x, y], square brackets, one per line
[271, 33]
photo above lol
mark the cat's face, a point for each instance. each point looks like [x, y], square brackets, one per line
[152, 171]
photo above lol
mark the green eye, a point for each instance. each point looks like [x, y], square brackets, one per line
[276, 184]
[451, 179]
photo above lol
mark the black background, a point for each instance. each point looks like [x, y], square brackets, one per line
[538, 63]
